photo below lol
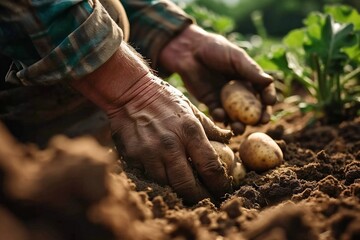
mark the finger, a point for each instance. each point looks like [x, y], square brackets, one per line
[154, 168]
[266, 115]
[212, 131]
[180, 174]
[151, 158]
[268, 95]
[229, 59]
[148, 160]
[205, 159]
[247, 68]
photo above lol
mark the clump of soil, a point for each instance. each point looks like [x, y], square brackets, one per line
[76, 189]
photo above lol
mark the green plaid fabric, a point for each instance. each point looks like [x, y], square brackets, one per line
[54, 40]
[153, 23]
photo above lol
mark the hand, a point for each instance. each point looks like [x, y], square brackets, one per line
[159, 131]
[156, 128]
[206, 62]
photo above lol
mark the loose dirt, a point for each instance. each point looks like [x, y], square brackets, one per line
[76, 189]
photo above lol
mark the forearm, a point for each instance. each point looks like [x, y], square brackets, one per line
[113, 84]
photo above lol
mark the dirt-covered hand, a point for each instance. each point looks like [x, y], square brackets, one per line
[160, 132]
[156, 128]
[206, 62]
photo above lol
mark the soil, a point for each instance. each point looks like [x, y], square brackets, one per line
[76, 189]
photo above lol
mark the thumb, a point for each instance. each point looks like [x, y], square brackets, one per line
[213, 132]
[220, 54]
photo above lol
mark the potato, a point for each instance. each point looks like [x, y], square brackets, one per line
[259, 152]
[240, 103]
[226, 155]
[238, 173]
[233, 167]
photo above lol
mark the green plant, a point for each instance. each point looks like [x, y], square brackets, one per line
[210, 20]
[324, 57]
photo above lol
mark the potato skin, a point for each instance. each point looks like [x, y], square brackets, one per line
[238, 173]
[259, 152]
[226, 155]
[233, 166]
[240, 103]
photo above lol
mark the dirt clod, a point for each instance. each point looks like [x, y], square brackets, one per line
[71, 190]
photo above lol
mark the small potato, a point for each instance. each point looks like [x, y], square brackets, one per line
[259, 152]
[238, 173]
[234, 168]
[240, 103]
[226, 155]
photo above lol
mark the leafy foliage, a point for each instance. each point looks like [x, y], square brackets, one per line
[324, 57]
[210, 20]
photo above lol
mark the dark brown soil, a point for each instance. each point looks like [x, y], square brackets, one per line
[76, 189]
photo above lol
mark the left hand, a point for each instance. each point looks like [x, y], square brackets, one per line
[206, 62]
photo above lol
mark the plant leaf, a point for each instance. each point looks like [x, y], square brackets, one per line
[329, 45]
[295, 38]
[344, 14]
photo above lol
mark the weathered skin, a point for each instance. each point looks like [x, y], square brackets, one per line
[206, 62]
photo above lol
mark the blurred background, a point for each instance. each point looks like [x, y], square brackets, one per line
[283, 36]
[278, 16]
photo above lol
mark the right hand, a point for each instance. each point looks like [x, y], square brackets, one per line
[160, 132]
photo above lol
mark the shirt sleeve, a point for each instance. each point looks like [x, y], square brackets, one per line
[153, 23]
[55, 41]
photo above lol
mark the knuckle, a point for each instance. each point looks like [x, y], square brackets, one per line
[169, 142]
[242, 51]
[145, 151]
[191, 128]
[211, 167]
[219, 39]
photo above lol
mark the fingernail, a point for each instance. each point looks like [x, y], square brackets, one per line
[267, 76]
[226, 135]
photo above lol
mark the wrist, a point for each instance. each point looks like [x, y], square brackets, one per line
[108, 86]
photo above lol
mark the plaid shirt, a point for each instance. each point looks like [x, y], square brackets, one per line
[55, 40]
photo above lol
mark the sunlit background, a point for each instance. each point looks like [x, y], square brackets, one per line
[272, 33]
[279, 16]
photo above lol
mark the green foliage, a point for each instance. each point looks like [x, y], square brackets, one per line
[324, 57]
[280, 16]
[209, 20]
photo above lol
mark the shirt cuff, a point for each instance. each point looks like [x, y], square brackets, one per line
[155, 26]
[80, 53]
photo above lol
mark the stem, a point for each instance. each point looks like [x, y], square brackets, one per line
[338, 86]
[308, 83]
[319, 79]
[334, 105]
[350, 75]
[257, 18]
[338, 101]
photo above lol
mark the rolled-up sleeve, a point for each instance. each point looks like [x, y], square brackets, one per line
[153, 23]
[55, 41]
